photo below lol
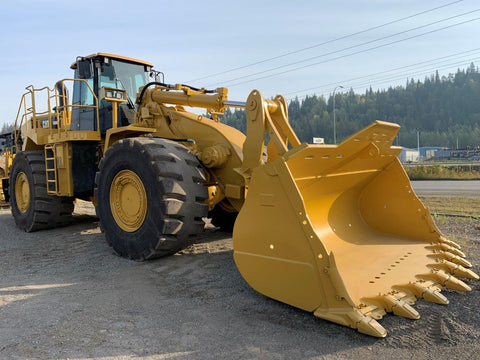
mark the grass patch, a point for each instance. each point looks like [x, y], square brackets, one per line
[444, 172]
[453, 205]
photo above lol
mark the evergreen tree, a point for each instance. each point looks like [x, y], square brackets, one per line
[443, 109]
[6, 128]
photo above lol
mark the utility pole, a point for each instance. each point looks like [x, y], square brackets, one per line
[418, 144]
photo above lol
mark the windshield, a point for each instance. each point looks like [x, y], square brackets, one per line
[123, 75]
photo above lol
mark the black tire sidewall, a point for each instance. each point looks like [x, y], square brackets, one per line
[20, 164]
[128, 158]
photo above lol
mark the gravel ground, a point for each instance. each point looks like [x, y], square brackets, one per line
[63, 294]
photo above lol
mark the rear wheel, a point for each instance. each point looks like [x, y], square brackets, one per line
[32, 208]
[150, 197]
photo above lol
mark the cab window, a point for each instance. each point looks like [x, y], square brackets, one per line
[123, 75]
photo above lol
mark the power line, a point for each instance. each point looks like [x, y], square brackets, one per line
[347, 48]
[385, 71]
[324, 43]
[355, 53]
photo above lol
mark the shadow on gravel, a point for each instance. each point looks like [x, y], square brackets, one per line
[81, 219]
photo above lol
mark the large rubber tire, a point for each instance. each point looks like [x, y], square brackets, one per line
[32, 208]
[150, 197]
[223, 218]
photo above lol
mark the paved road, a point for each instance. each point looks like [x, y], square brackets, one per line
[459, 188]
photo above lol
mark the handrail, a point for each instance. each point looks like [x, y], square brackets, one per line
[28, 114]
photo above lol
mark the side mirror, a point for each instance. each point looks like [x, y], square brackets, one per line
[84, 69]
[157, 74]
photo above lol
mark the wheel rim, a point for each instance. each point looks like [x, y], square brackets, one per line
[22, 192]
[128, 201]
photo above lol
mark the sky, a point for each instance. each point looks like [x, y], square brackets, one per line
[294, 48]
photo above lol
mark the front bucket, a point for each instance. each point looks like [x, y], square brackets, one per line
[338, 230]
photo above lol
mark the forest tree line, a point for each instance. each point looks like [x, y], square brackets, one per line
[443, 111]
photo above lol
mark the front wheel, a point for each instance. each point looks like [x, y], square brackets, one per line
[150, 197]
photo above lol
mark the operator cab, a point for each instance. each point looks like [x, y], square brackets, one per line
[106, 71]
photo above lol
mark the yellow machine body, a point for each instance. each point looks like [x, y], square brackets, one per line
[2, 175]
[332, 229]
[6, 159]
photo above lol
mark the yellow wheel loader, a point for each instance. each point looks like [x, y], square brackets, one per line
[2, 175]
[332, 229]
[5, 161]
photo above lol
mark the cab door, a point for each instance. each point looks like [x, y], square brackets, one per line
[83, 102]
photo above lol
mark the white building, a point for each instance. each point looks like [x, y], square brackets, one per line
[408, 156]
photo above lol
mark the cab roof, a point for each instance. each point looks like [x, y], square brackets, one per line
[113, 56]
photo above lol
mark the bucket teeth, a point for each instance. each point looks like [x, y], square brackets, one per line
[445, 247]
[453, 283]
[355, 319]
[366, 325]
[466, 273]
[446, 255]
[454, 269]
[371, 327]
[400, 307]
[450, 243]
[448, 281]
[391, 304]
[434, 296]
[426, 292]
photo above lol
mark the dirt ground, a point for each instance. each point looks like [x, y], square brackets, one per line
[65, 295]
